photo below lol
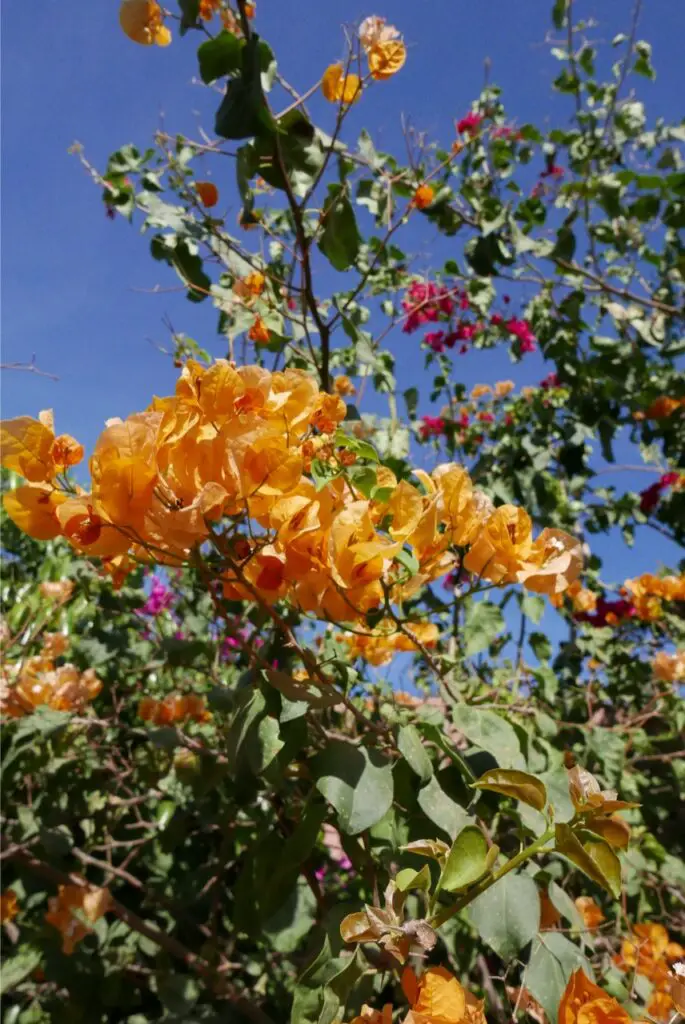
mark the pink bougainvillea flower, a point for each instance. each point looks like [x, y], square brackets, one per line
[470, 124]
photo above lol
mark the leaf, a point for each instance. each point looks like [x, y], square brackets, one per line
[414, 752]
[408, 879]
[553, 960]
[507, 914]
[519, 785]
[243, 111]
[441, 809]
[219, 56]
[253, 736]
[291, 856]
[533, 606]
[340, 239]
[466, 861]
[593, 856]
[354, 444]
[483, 622]
[16, 968]
[488, 730]
[357, 782]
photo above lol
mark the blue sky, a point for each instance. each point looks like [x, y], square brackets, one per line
[72, 278]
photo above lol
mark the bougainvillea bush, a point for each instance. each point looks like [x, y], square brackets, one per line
[318, 702]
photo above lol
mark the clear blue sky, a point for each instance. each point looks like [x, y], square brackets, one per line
[70, 275]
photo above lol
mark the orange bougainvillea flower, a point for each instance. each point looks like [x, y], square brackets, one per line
[589, 911]
[208, 8]
[30, 448]
[337, 85]
[143, 22]
[670, 668]
[208, 193]
[343, 386]
[259, 332]
[583, 1002]
[33, 508]
[387, 58]
[9, 907]
[423, 197]
[663, 407]
[438, 998]
[370, 1016]
[57, 590]
[36, 681]
[74, 909]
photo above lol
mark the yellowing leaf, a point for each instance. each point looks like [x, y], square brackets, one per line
[519, 785]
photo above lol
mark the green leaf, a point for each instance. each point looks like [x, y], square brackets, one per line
[220, 56]
[354, 444]
[483, 622]
[180, 254]
[253, 736]
[409, 879]
[414, 752]
[243, 111]
[441, 809]
[357, 782]
[507, 915]
[340, 239]
[17, 967]
[489, 730]
[533, 607]
[409, 560]
[519, 785]
[552, 962]
[592, 855]
[467, 860]
[190, 12]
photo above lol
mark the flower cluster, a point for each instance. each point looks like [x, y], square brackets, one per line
[159, 600]
[74, 910]
[9, 906]
[650, 953]
[651, 496]
[383, 46]
[641, 598]
[174, 708]
[648, 592]
[379, 647]
[35, 681]
[662, 408]
[670, 668]
[231, 449]
[427, 302]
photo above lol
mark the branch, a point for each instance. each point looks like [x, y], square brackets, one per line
[28, 368]
[622, 293]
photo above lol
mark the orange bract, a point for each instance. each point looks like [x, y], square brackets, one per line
[240, 442]
[583, 1002]
[387, 58]
[143, 22]
[67, 910]
[423, 197]
[208, 193]
[338, 86]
